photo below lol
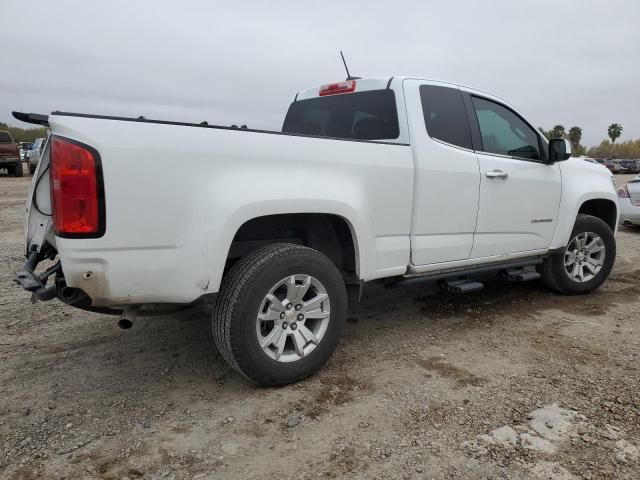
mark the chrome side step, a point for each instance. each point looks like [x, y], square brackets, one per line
[460, 286]
[520, 275]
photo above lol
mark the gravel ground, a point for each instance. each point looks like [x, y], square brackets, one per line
[510, 382]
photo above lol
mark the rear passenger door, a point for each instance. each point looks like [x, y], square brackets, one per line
[447, 175]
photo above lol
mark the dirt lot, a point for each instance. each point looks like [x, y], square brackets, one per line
[511, 382]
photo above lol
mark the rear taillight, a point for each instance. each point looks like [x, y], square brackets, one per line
[77, 194]
[340, 87]
[623, 192]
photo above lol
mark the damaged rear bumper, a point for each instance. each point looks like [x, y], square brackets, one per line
[36, 283]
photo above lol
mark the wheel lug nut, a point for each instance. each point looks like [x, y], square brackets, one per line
[294, 326]
[300, 316]
[282, 315]
[289, 306]
[298, 307]
[284, 325]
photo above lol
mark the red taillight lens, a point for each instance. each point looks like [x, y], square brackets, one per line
[341, 87]
[623, 192]
[76, 190]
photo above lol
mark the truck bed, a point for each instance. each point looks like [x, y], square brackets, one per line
[176, 194]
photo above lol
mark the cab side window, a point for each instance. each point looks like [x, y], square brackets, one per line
[503, 132]
[445, 115]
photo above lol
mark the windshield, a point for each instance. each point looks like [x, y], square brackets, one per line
[369, 115]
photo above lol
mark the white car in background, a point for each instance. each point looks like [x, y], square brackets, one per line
[629, 201]
[33, 154]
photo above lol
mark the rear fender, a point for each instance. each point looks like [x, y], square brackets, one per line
[250, 211]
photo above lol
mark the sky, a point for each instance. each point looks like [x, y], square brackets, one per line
[570, 62]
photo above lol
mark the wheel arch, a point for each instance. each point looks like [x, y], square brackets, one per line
[602, 205]
[602, 208]
[331, 233]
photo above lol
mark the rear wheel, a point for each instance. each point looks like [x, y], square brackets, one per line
[586, 261]
[280, 313]
[17, 170]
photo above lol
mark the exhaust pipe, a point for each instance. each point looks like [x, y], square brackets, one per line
[128, 316]
[125, 323]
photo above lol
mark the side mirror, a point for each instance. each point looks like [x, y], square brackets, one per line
[559, 149]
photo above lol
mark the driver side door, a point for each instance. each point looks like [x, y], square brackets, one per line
[519, 190]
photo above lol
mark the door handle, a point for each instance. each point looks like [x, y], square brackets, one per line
[496, 174]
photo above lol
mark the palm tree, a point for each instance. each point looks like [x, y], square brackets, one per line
[575, 135]
[614, 131]
[557, 132]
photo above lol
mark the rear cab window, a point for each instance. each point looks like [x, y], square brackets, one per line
[366, 115]
[5, 137]
[445, 115]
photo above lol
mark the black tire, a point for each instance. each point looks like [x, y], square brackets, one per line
[241, 294]
[553, 273]
[32, 170]
[17, 170]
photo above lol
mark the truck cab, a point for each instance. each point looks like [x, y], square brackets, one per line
[485, 186]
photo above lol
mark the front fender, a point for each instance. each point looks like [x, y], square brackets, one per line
[581, 182]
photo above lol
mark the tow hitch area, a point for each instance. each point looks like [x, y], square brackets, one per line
[37, 284]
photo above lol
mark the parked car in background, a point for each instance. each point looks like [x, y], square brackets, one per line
[33, 155]
[622, 167]
[24, 148]
[10, 154]
[629, 166]
[610, 164]
[629, 202]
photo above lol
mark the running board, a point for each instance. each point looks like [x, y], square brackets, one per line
[456, 274]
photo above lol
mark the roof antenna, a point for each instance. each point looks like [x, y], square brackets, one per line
[349, 77]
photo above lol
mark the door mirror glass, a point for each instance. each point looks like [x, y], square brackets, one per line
[559, 149]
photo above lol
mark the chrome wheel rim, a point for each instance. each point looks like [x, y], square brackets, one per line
[584, 257]
[293, 318]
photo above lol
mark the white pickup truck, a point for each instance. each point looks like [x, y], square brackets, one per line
[398, 178]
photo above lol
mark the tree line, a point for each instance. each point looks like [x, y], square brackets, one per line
[24, 134]
[606, 149]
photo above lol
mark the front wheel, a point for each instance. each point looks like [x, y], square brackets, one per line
[586, 261]
[17, 170]
[280, 313]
